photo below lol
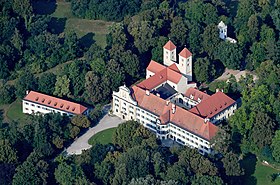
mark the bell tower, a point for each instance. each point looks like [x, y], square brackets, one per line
[169, 53]
[185, 63]
[222, 30]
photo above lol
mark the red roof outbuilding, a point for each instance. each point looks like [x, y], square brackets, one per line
[55, 103]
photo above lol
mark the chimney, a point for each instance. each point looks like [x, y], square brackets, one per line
[158, 95]
[167, 102]
[173, 108]
[147, 92]
[206, 120]
[217, 90]
[27, 92]
[222, 90]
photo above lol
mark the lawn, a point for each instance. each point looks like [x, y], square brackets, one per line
[258, 174]
[88, 31]
[103, 137]
[14, 112]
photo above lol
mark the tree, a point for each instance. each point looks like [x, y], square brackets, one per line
[25, 82]
[7, 153]
[62, 86]
[276, 147]
[74, 131]
[253, 28]
[245, 9]
[32, 171]
[41, 141]
[104, 171]
[178, 31]
[143, 33]
[80, 121]
[94, 87]
[7, 94]
[70, 46]
[230, 55]
[123, 135]
[135, 162]
[210, 39]
[24, 9]
[205, 180]
[178, 173]
[261, 133]
[70, 174]
[46, 83]
[203, 70]
[231, 165]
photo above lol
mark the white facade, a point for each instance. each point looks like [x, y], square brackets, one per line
[223, 33]
[126, 108]
[222, 30]
[185, 66]
[34, 108]
[169, 57]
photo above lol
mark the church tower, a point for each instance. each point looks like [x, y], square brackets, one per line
[169, 53]
[222, 30]
[185, 63]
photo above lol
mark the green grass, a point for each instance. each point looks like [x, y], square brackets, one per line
[103, 137]
[263, 174]
[14, 112]
[63, 20]
[258, 174]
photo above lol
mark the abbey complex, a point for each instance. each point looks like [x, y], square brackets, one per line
[169, 103]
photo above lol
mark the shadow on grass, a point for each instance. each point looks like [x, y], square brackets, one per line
[57, 25]
[44, 7]
[249, 165]
[87, 40]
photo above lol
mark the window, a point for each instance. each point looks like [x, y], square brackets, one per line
[26, 103]
[38, 106]
[117, 110]
[26, 108]
[32, 105]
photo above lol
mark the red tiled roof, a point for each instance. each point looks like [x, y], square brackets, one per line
[185, 53]
[169, 45]
[174, 68]
[181, 117]
[213, 105]
[159, 78]
[155, 67]
[55, 103]
[196, 94]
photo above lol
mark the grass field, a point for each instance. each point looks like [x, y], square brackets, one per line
[103, 137]
[258, 174]
[88, 31]
[14, 112]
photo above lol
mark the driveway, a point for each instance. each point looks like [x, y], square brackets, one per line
[81, 143]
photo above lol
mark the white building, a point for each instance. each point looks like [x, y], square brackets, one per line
[223, 33]
[169, 104]
[38, 103]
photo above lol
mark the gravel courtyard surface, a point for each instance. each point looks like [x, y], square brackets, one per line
[81, 143]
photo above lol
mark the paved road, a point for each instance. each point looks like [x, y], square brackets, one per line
[81, 143]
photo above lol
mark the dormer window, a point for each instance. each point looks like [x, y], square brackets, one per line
[67, 107]
[61, 105]
[49, 102]
[37, 98]
[73, 109]
[55, 103]
[43, 100]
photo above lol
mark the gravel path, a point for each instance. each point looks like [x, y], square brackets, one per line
[81, 143]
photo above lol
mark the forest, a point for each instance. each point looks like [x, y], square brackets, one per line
[30, 150]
